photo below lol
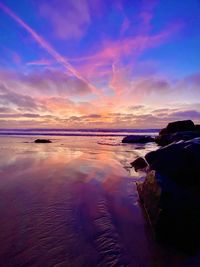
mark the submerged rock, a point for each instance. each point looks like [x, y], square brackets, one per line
[138, 139]
[171, 194]
[43, 141]
[139, 163]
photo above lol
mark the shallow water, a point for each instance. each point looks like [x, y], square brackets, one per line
[74, 203]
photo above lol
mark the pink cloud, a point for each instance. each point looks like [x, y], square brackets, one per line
[99, 64]
[135, 45]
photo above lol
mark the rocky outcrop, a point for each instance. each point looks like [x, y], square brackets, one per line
[171, 194]
[43, 141]
[178, 161]
[176, 131]
[178, 126]
[167, 139]
[150, 193]
[139, 163]
[142, 139]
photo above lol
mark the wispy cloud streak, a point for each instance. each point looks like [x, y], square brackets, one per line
[44, 44]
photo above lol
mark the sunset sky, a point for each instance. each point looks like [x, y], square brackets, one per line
[99, 63]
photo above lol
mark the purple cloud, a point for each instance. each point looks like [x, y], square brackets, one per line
[187, 114]
[23, 102]
[69, 19]
[49, 82]
[193, 79]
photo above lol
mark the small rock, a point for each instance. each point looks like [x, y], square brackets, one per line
[139, 163]
[43, 141]
[138, 139]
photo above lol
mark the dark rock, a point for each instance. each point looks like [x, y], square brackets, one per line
[163, 131]
[163, 140]
[197, 127]
[179, 161]
[138, 139]
[166, 139]
[42, 141]
[139, 163]
[150, 192]
[173, 212]
[176, 131]
[178, 126]
[171, 194]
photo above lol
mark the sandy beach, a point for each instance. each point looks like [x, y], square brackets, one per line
[74, 203]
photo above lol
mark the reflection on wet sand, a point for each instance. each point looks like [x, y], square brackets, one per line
[72, 205]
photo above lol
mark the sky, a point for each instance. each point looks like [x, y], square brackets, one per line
[99, 63]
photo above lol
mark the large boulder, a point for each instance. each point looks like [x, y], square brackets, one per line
[171, 194]
[179, 161]
[138, 139]
[178, 126]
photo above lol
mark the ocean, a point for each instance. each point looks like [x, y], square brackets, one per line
[77, 132]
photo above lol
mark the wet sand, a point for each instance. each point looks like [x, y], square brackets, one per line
[74, 203]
